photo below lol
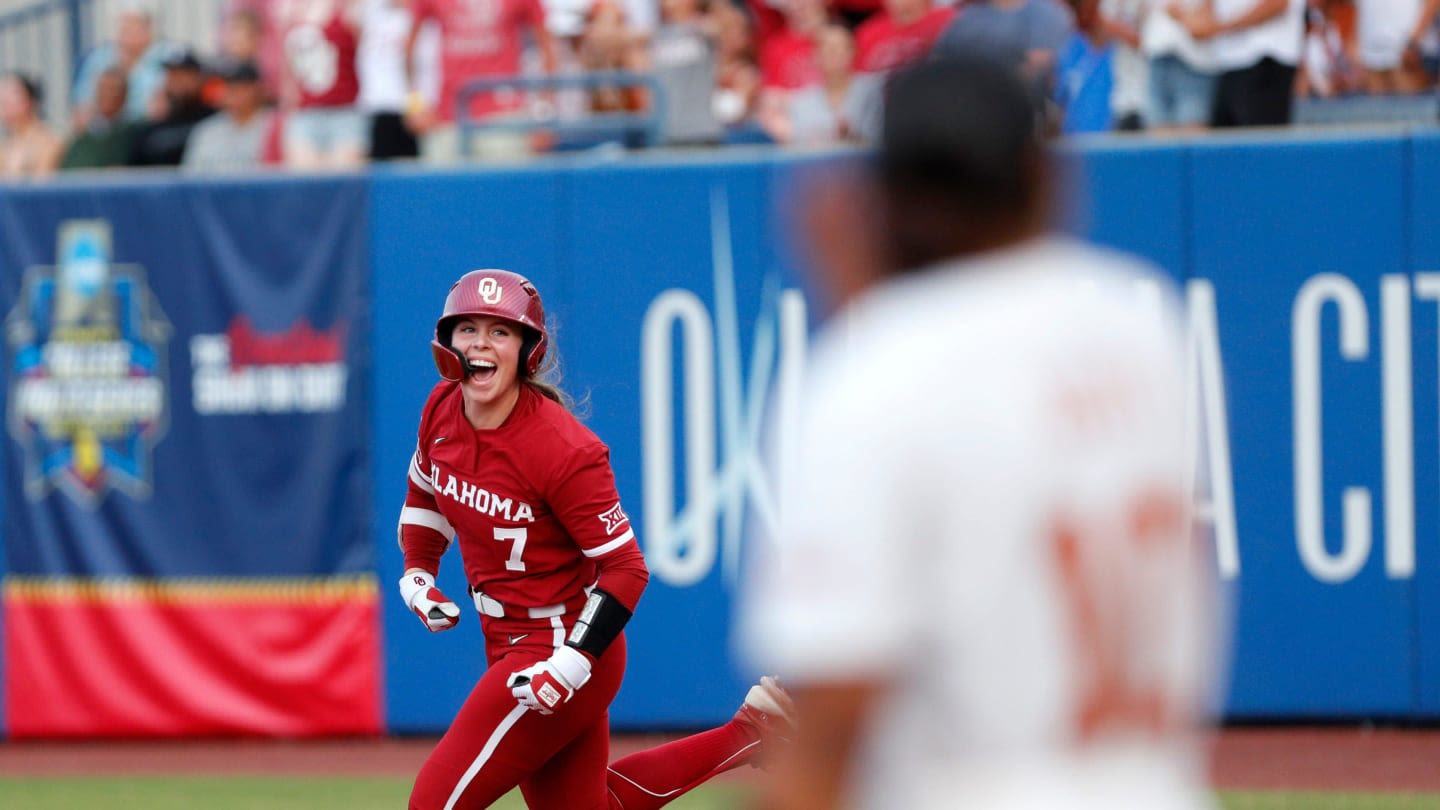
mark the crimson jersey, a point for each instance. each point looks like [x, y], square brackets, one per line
[479, 39]
[881, 44]
[533, 503]
[321, 59]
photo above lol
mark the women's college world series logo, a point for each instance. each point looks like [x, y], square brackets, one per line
[88, 374]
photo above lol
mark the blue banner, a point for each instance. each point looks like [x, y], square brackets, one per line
[186, 379]
[186, 463]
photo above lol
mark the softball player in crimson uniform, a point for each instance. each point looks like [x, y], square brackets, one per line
[555, 573]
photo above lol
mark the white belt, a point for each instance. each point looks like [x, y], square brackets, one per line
[495, 610]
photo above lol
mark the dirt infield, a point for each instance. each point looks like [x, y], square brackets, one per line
[1362, 759]
[1352, 758]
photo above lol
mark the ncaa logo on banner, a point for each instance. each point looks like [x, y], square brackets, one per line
[88, 373]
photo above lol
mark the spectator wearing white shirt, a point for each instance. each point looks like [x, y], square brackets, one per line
[1256, 46]
[380, 62]
[232, 140]
[1182, 68]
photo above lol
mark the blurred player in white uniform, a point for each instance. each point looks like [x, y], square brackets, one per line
[985, 592]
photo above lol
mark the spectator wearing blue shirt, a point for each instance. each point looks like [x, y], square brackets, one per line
[134, 51]
[1083, 78]
[1025, 33]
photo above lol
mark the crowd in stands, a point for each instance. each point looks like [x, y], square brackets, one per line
[316, 84]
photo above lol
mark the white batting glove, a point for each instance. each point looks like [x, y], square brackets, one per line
[543, 686]
[434, 608]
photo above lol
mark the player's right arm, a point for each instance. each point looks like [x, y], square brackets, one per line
[424, 534]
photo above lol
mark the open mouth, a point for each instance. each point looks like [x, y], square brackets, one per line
[481, 370]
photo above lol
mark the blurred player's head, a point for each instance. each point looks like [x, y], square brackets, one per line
[960, 169]
[961, 166]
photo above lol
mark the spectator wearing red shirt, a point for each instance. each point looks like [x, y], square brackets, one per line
[320, 83]
[842, 107]
[785, 34]
[477, 40]
[903, 32]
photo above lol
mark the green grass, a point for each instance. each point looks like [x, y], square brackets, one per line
[1306, 800]
[370, 793]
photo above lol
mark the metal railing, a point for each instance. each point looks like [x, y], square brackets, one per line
[1421, 109]
[48, 38]
[643, 128]
[45, 39]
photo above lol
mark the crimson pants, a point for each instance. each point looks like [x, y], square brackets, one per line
[560, 761]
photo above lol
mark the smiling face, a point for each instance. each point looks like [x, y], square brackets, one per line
[491, 348]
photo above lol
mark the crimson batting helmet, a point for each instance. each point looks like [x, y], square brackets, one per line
[498, 293]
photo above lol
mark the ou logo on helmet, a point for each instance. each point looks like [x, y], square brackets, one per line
[489, 290]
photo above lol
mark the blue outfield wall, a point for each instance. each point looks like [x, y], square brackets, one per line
[613, 249]
[1311, 268]
[1299, 258]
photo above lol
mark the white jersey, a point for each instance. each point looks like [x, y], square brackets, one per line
[988, 515]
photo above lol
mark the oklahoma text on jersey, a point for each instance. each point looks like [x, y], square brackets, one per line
[480, 499]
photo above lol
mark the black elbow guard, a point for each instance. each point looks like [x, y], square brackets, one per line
[601, 620]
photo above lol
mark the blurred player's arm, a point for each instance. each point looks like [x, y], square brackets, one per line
[836, 221]
[814, 772]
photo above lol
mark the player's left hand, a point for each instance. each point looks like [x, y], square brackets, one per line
[543, 686]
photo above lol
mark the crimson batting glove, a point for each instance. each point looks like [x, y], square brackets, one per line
[543, 686]
[434, 608]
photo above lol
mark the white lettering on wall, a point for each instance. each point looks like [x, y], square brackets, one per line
[1207, 416]
[724, 471]
[1323, 289]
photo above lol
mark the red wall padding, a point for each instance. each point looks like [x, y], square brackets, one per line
[194, 660]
